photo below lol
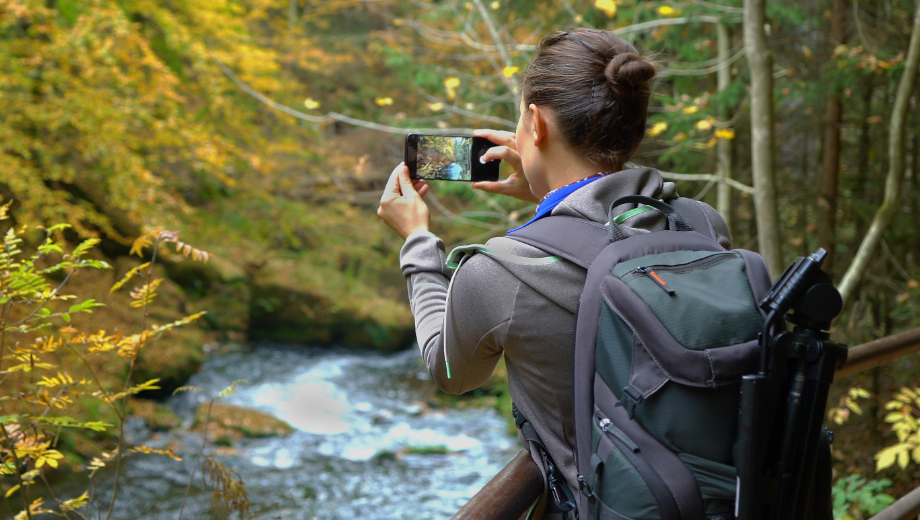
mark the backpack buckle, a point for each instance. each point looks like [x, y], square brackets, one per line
[631, 398]
[585, 488]
[562, 496]
[519, 418]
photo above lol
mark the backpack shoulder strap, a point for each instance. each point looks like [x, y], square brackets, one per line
[693, 212]
[577, 240]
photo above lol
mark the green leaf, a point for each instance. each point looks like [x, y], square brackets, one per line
[230, 390]
[85, 246]
[85, 306]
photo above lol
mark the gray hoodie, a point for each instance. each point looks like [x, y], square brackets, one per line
[513, 299]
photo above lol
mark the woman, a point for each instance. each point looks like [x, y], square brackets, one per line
[583, 114]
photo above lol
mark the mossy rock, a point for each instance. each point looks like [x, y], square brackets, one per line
[233, 422]
[158, 416]
[218, 287]
[296, 302]
[172, 358]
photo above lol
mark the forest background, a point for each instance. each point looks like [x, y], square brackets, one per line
[263, 131]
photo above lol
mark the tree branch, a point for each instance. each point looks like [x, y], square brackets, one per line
[639, 27]
[701, 72]
[332, 116]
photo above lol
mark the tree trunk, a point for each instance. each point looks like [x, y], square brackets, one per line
[760, 62]
[724, 148]
[896, 167]
[827, 203]
[865, 143]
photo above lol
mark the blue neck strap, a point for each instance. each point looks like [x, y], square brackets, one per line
[546, 207]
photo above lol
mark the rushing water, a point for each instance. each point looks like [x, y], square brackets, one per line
[354, 414]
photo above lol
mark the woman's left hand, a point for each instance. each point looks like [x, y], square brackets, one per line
[401, 205]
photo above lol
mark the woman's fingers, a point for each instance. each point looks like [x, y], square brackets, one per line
[499, 137]
[420, 186]
[392, 189]
[514, 186]
[499, 152]
[401, 205]
[498, 187]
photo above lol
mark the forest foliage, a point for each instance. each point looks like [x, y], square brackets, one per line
[265, 129]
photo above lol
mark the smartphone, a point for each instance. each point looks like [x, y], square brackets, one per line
[449, 158]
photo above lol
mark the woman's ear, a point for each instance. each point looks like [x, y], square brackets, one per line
[539, 124]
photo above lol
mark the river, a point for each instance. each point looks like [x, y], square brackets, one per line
[355, 413]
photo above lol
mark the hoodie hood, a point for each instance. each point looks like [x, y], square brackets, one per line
[591, 202]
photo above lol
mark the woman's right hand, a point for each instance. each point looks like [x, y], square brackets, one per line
[516, 184]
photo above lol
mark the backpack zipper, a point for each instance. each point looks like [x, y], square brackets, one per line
[658, 281]
[607, 427]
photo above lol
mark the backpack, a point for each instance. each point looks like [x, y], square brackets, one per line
[667, 324]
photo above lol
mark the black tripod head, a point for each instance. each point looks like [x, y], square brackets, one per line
[806, 290]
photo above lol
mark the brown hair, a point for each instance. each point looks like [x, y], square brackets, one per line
[597, 87]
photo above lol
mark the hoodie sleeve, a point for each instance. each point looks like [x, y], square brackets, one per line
[460, 326]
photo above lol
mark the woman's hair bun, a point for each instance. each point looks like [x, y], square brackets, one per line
[627, 72]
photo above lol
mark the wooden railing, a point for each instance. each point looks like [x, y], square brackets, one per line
[509, 495]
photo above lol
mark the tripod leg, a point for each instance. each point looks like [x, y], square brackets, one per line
[820, 503]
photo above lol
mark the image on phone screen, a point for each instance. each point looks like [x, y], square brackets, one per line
[449, 158]
[444, 157]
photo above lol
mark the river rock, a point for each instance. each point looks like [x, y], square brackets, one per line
[233, 422]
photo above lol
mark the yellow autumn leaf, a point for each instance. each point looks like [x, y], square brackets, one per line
[858, 392]
[435, 107]
[450, 85]
[725, 133]
[913, 284]
[311, 103]
[510, 71]
[884, 459]
[691, 109]
[658, 128]
[903, 459]
[666, 10]
[680, 137]
[495, 5]
[704, 124]
[855, 407]
[609, 7]
[806, 51]
[384, 101]
[708, 144]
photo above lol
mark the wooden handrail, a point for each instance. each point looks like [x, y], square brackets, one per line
[510, 493]
[905, 508]
[878, 352]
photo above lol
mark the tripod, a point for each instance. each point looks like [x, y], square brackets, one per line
[781, 440]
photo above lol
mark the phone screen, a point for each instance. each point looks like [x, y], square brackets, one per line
[449, 158]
